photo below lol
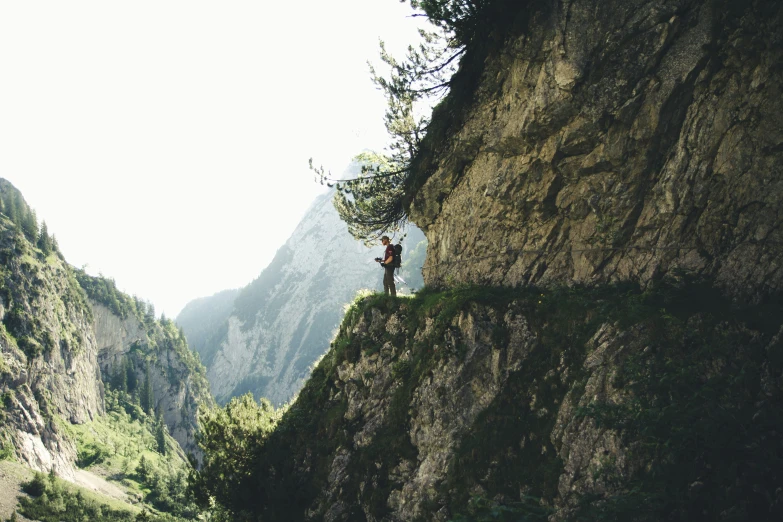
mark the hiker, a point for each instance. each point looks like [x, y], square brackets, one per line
[387, 262]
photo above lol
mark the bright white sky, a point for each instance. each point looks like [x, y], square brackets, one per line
[165, 142]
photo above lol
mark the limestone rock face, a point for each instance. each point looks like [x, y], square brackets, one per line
[443, 409]
[619, 140]
[178, 389]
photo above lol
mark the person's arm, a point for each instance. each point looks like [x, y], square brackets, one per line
[390, 259]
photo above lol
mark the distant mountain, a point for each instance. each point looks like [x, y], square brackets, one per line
[202, 319]
[282, 322]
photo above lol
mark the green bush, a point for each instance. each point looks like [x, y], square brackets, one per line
[54, 501]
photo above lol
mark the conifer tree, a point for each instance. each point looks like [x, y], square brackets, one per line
[147, 397]
[29, 226]
[374, 203]
[160, 433]
[44, 241]
[12, 207]
[119, 379]
[130, 375]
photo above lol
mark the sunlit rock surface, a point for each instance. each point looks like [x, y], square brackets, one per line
[618, 140]
[178, 391]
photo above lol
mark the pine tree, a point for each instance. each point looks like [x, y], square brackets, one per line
[130, 375]
[12, 207]
[160, 434]
[119, 379]
[29, 226]
[150, 312]
[44, 241]
[147, 397]
[375, 203]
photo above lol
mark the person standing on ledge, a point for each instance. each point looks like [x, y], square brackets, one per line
[387, 262]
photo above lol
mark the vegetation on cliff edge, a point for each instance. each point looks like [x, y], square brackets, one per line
[377, 201]
[701, 426]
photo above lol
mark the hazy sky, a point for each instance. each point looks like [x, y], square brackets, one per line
[165, 143]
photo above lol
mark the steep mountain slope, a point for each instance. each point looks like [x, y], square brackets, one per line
[281, 322]
[64, 335]
[201, 319]
[134, 343]
[50, 354]
[559, 404]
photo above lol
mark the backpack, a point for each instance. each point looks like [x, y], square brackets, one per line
[397, 255]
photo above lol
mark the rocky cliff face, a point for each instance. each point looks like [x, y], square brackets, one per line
[620, 140]
[605, 404]
[178, 383]
[50, 355]
[281, 322]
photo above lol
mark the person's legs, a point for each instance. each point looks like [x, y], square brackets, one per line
[388, 282]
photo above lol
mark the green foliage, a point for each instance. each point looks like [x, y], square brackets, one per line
[37, 486]
[119, 376]
[6, 451]
[104, 290]
[147, 395]
[45, 242]
[372, 204]
[471, 22]
[481, 509]
[55, 501]
[13, 205]
[376, 202]
[232, 438]
[126, 445]
[90, 454]
[160, 435]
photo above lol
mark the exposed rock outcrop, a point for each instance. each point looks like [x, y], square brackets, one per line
[620, 140]
[50, 355]
[607, 404]
[178, 386]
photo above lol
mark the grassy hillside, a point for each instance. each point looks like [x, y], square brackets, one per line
[129, 449]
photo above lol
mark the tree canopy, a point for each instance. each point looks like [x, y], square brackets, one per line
[232, 439]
